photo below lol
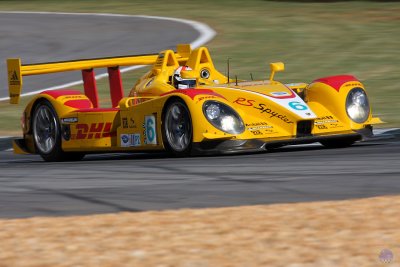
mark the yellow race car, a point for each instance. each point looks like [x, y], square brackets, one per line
[187, 107]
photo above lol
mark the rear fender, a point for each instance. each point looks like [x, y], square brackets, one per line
[63, 102]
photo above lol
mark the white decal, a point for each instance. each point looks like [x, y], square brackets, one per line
[150, 130]
[280, 94]
[124, 140]
[69, 120]
[296, 105]
[128, 140]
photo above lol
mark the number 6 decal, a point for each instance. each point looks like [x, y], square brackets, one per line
[150, 129]
[297, 105]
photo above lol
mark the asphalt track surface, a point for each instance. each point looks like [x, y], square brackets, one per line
[36, 37]
[139, 182]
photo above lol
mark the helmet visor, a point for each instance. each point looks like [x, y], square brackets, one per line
[186, 83]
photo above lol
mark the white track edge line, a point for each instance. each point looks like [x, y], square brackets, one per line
[206, 34]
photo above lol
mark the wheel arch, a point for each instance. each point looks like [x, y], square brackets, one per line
[61, 102]
[331, 92]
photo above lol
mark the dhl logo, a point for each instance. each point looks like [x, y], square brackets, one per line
[93, 130]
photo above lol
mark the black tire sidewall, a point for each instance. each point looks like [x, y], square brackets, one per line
[56, 153]
[167, 145]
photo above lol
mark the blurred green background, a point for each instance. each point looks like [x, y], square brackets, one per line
[314, 39]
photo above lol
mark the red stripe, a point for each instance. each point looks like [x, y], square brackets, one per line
[57, 93]
[98, 110]
[194, 92]
[337, 81]
[79, 103]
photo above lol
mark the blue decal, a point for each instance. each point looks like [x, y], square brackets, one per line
[297, 105]
[125, 139]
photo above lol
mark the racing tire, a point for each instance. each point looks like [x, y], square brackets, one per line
[177, 130]
[46, 133]
[339, 143]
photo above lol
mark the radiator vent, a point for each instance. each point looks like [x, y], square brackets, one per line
[304, 128]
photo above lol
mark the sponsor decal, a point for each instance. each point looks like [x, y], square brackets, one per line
[254, 83]
[130, 140]
[280, 94]
[69, 120]
[150, 135]
[124, 140]
[257, 126]
[14, 79]
[244, 102]
[325, 120]
[256, 132]
[353, 84]
[263, 109]
[128, 123]
[124, 123]
[335, 126]
[297, 105]
[132, 123]
[294, 84]
[93, 131]
[205, 98]
[73, 97]
[270, 131]
[321, 127]
[273, 114]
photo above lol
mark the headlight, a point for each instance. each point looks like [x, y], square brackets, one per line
[223, 117]
[357, 105]
[213, 111]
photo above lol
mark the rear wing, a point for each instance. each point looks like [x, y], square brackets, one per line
[17, 70]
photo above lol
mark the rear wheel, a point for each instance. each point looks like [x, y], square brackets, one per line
[47, 134]
[177, 128]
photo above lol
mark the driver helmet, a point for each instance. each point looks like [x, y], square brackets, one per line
[183, 78]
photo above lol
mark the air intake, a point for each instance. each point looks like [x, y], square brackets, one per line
[304, 128]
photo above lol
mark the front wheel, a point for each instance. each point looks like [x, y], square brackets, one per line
[177, 128]
[47, 134]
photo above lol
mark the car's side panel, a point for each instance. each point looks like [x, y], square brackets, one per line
[90, 129]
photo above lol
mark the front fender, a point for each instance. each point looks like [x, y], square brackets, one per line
[330, 93]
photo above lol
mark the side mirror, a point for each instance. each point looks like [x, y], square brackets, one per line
[276, 67]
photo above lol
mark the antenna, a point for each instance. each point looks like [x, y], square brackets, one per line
[251, 76]
[228, 69]
[236, 80]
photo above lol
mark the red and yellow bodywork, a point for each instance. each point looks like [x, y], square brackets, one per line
[273, 113]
